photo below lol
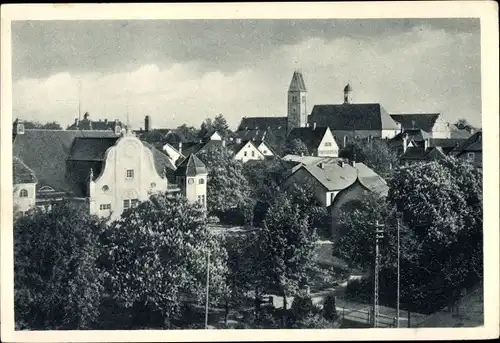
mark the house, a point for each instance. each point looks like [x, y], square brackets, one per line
[471, 150]
[246, 151]
[212, 139]
[100, 125]
[432, 123]
[174, 154]
[318, 140]
[328, 179]
[350, 120]
[106, 171]
[258, 138]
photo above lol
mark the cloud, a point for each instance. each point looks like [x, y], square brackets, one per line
[422, 69]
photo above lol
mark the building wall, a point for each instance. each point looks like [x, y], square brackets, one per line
[441, 129]
[127, 154]
[248, 149]
[328, 146]
[355, 192]
[478, 159]
[301, 177]
[265, 150]
[297, 110]
[23, 204]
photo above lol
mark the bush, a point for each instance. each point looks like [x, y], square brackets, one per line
[330, 308]
[302, 307]
[359, 290]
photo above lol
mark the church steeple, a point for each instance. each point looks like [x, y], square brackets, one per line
[297, 102]
[348, 94]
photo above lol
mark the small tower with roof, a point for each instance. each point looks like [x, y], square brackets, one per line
[348, 94]
[297, 102]
[191, 176]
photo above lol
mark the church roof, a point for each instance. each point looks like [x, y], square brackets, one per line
[191, 166]
[348, 88]
[310, 136]
[277, 125]
[100, 125]
[349, 117]
[423, 121]
[21, 173]
[297, 84]
[473, 144]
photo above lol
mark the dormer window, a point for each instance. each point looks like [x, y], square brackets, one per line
[20, 129]
[23, 193]
[471, 156]
[201, 181]
[130, 174]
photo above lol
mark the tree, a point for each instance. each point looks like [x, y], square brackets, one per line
[286, 248]
[189, 132]
[463, 124]
[157, 259]
[57, 282]
[441, 204]
[375, 153]
[220, 125]
[264, 178]
[330, 308]
[37, 125]
[296, 147]
[227, 188]
[205, 128]
[153, 136]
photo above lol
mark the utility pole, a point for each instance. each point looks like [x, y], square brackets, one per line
[208, 280]
[379, 234]
[399, 216]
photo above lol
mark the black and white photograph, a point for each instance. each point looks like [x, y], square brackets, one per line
[207, 175]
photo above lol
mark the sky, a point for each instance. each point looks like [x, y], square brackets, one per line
[183, 71]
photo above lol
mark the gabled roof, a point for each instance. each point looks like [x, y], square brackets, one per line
[255, 135]
[21, 172]
[473, 144]
[238, 146]
[335, 177]
[297, 84]
[91, 148]
[191, 166]
[194, 148]
[423, 121]
[310, 136]
[100, 125]
[421, 154]
[276, 124]
[349, 117]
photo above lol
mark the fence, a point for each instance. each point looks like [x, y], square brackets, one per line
[352, 318]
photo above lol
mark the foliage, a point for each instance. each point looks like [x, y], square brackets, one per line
[264, 177]
[375, 153]
[330, 307]
[218, 124]
[227, 188]
[157, 257]
[296, 147]
[57, 282]
[303, 195]
[153, 136]
[46, 126]
[440, 232]
[302, 306]
[189, 132]
[286, 247]
[463, 124]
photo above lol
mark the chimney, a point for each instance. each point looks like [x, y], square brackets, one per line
[223, 142]
[180, 147]
[118, 129]
[105, 122]
[76, 122]
[321, 165]
[147, 123]
[342, 164]
[426, 144]
[314, 126]
[353, 163]
[86, 115]
[405, 142]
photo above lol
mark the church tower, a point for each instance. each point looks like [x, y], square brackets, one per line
[297, 102]
[191, 176]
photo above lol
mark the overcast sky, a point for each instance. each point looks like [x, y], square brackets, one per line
[182, 71]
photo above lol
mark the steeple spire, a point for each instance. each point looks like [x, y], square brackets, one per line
[297, 84]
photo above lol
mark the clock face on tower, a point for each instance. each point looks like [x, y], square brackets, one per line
[190, 181]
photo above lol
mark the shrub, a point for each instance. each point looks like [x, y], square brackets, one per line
[302, 307]
[330, 308]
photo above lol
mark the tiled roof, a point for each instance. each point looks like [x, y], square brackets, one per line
[473, 144]
[297, 84]
[349, 117]
[424, 121]
[21, 173]
[194, 148]
[276, 124]
[307, 159]
[421, 154]
[86, 124]
[334, 176]
[60, 158]
[255, 135]
[191, 166]
[310, 136]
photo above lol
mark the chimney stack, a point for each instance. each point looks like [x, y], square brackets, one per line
[105, 122]
[147, 123]
[223, 142]
[314, 126]
[353, 163]
[321, 165]
[426, 144]
[342, 164]
[180, 147]
[18, 127]
[76, 122]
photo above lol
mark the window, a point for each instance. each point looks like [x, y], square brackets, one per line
[471, 156]
[328, 144]
[130, 173]
[105, 188]
[199, 199]
[23, 193]
[105, 207]
[126, 204]
[201, 181]
[134, 202]
[264, 151]
[253, 153]
[245, 153]
[153, 185]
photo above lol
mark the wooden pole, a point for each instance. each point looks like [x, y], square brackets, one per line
[208, 282]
